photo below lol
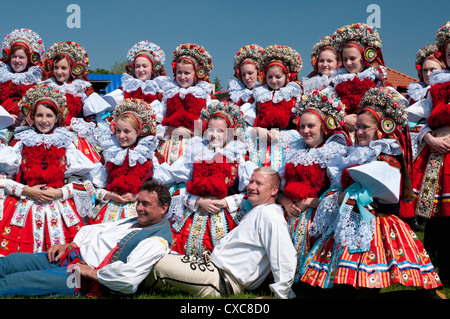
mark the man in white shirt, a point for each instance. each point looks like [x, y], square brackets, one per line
[114, 257]
[244, 257]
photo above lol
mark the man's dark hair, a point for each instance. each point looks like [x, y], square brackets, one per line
[161, 191]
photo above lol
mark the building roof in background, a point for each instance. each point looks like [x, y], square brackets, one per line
[115, 80]
[398, 80]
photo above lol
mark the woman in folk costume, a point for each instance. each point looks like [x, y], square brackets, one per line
[216, 175]
[145, 78]
[183, 102]
[324, 60]
[20, 70]
[41, 207]
[428, 59]
[359, 47]
[361, 241]
[305, 172]
[247, 72]
[275, 100]
[128, 161]
[66, 65]
[431, 184]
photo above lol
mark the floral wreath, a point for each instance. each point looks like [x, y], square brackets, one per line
[197, 55]
[138, 110]
[284, 56]
[44, 94]
[149, 50]
[388, 107]
[429, 51]
[326, 105]
[248, 54]
[325, 43]
[27, 38]
[230, 112]
[442, 39]
[74, 52]
[364, 38]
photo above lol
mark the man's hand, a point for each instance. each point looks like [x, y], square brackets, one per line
[55, 252]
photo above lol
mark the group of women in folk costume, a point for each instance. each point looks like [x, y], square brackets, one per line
[339, 139]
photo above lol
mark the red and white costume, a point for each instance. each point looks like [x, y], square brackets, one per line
[222, 173]
[50, 159]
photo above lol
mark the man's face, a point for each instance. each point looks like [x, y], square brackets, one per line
[261, 188]
[148, 210]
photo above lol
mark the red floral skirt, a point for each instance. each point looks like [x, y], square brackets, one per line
[29, 227]
[197, 232]
[396, 256]
[431, 184]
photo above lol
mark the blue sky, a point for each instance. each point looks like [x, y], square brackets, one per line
[110, 27]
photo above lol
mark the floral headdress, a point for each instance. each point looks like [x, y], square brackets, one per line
[74, 52]
[149, 50]
[326, 105]
[139, 111]
[326, 43]
[230, 112]
[442, 39]
[27, 38]
[198, 56]
[362, 37]
[44, 94]
[388, 106]
[248, 54]
[429, 51]
[283, 56]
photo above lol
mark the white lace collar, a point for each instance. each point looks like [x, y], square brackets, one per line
[358, 154]
[439, 76]
[31, 76]
[417, 90]
[114, 153]
[154, 86]
[299, 154]
[342, 75]
[317, 82]
[61, 137]
[201, 90]
[238, 91]
[198, 150]
[76, 87]
[264, 94]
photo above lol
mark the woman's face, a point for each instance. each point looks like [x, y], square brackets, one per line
[429, 66]
[19, 61]
[249, 75]
[185, 75]
[366, 129]
[352, 60]
[61, 70]
[126, 134]
[216, 133]
[310, 129]
[276, 78]
[44, 119]
[327, 62]
[142, 68]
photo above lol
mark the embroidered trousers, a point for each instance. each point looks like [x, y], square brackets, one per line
[192, 274]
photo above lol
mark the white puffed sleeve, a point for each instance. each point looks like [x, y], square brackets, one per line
[77, 162]
[95, 104]
[10, 159]
[113, 98]
[162, 173]
[249, 111]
